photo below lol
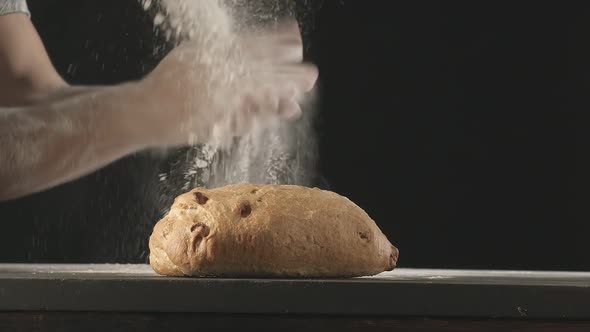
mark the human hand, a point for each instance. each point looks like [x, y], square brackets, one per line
[229, 85]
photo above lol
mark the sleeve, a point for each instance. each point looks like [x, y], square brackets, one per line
[14, 6]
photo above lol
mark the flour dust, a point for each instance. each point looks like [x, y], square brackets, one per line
[280, 153]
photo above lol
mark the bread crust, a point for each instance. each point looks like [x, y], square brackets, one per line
[249, 230]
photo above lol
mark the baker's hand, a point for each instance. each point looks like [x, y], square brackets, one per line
[228, 86]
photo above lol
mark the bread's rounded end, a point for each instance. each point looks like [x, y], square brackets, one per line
[393, 256]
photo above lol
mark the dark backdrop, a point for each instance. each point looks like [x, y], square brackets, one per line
[456, 125]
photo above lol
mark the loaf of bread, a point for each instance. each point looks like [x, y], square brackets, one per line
[248, 230]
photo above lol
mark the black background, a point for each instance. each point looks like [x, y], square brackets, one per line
[456, 125]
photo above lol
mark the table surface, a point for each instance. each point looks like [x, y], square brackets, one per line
[402, 292]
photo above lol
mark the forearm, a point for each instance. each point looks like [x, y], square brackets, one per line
[27, 71]
[67, 136]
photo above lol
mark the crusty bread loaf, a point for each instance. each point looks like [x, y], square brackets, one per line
[268, 231]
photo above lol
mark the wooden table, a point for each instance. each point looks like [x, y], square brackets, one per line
[134, 298]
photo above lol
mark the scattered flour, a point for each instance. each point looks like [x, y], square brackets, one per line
[279, 153]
